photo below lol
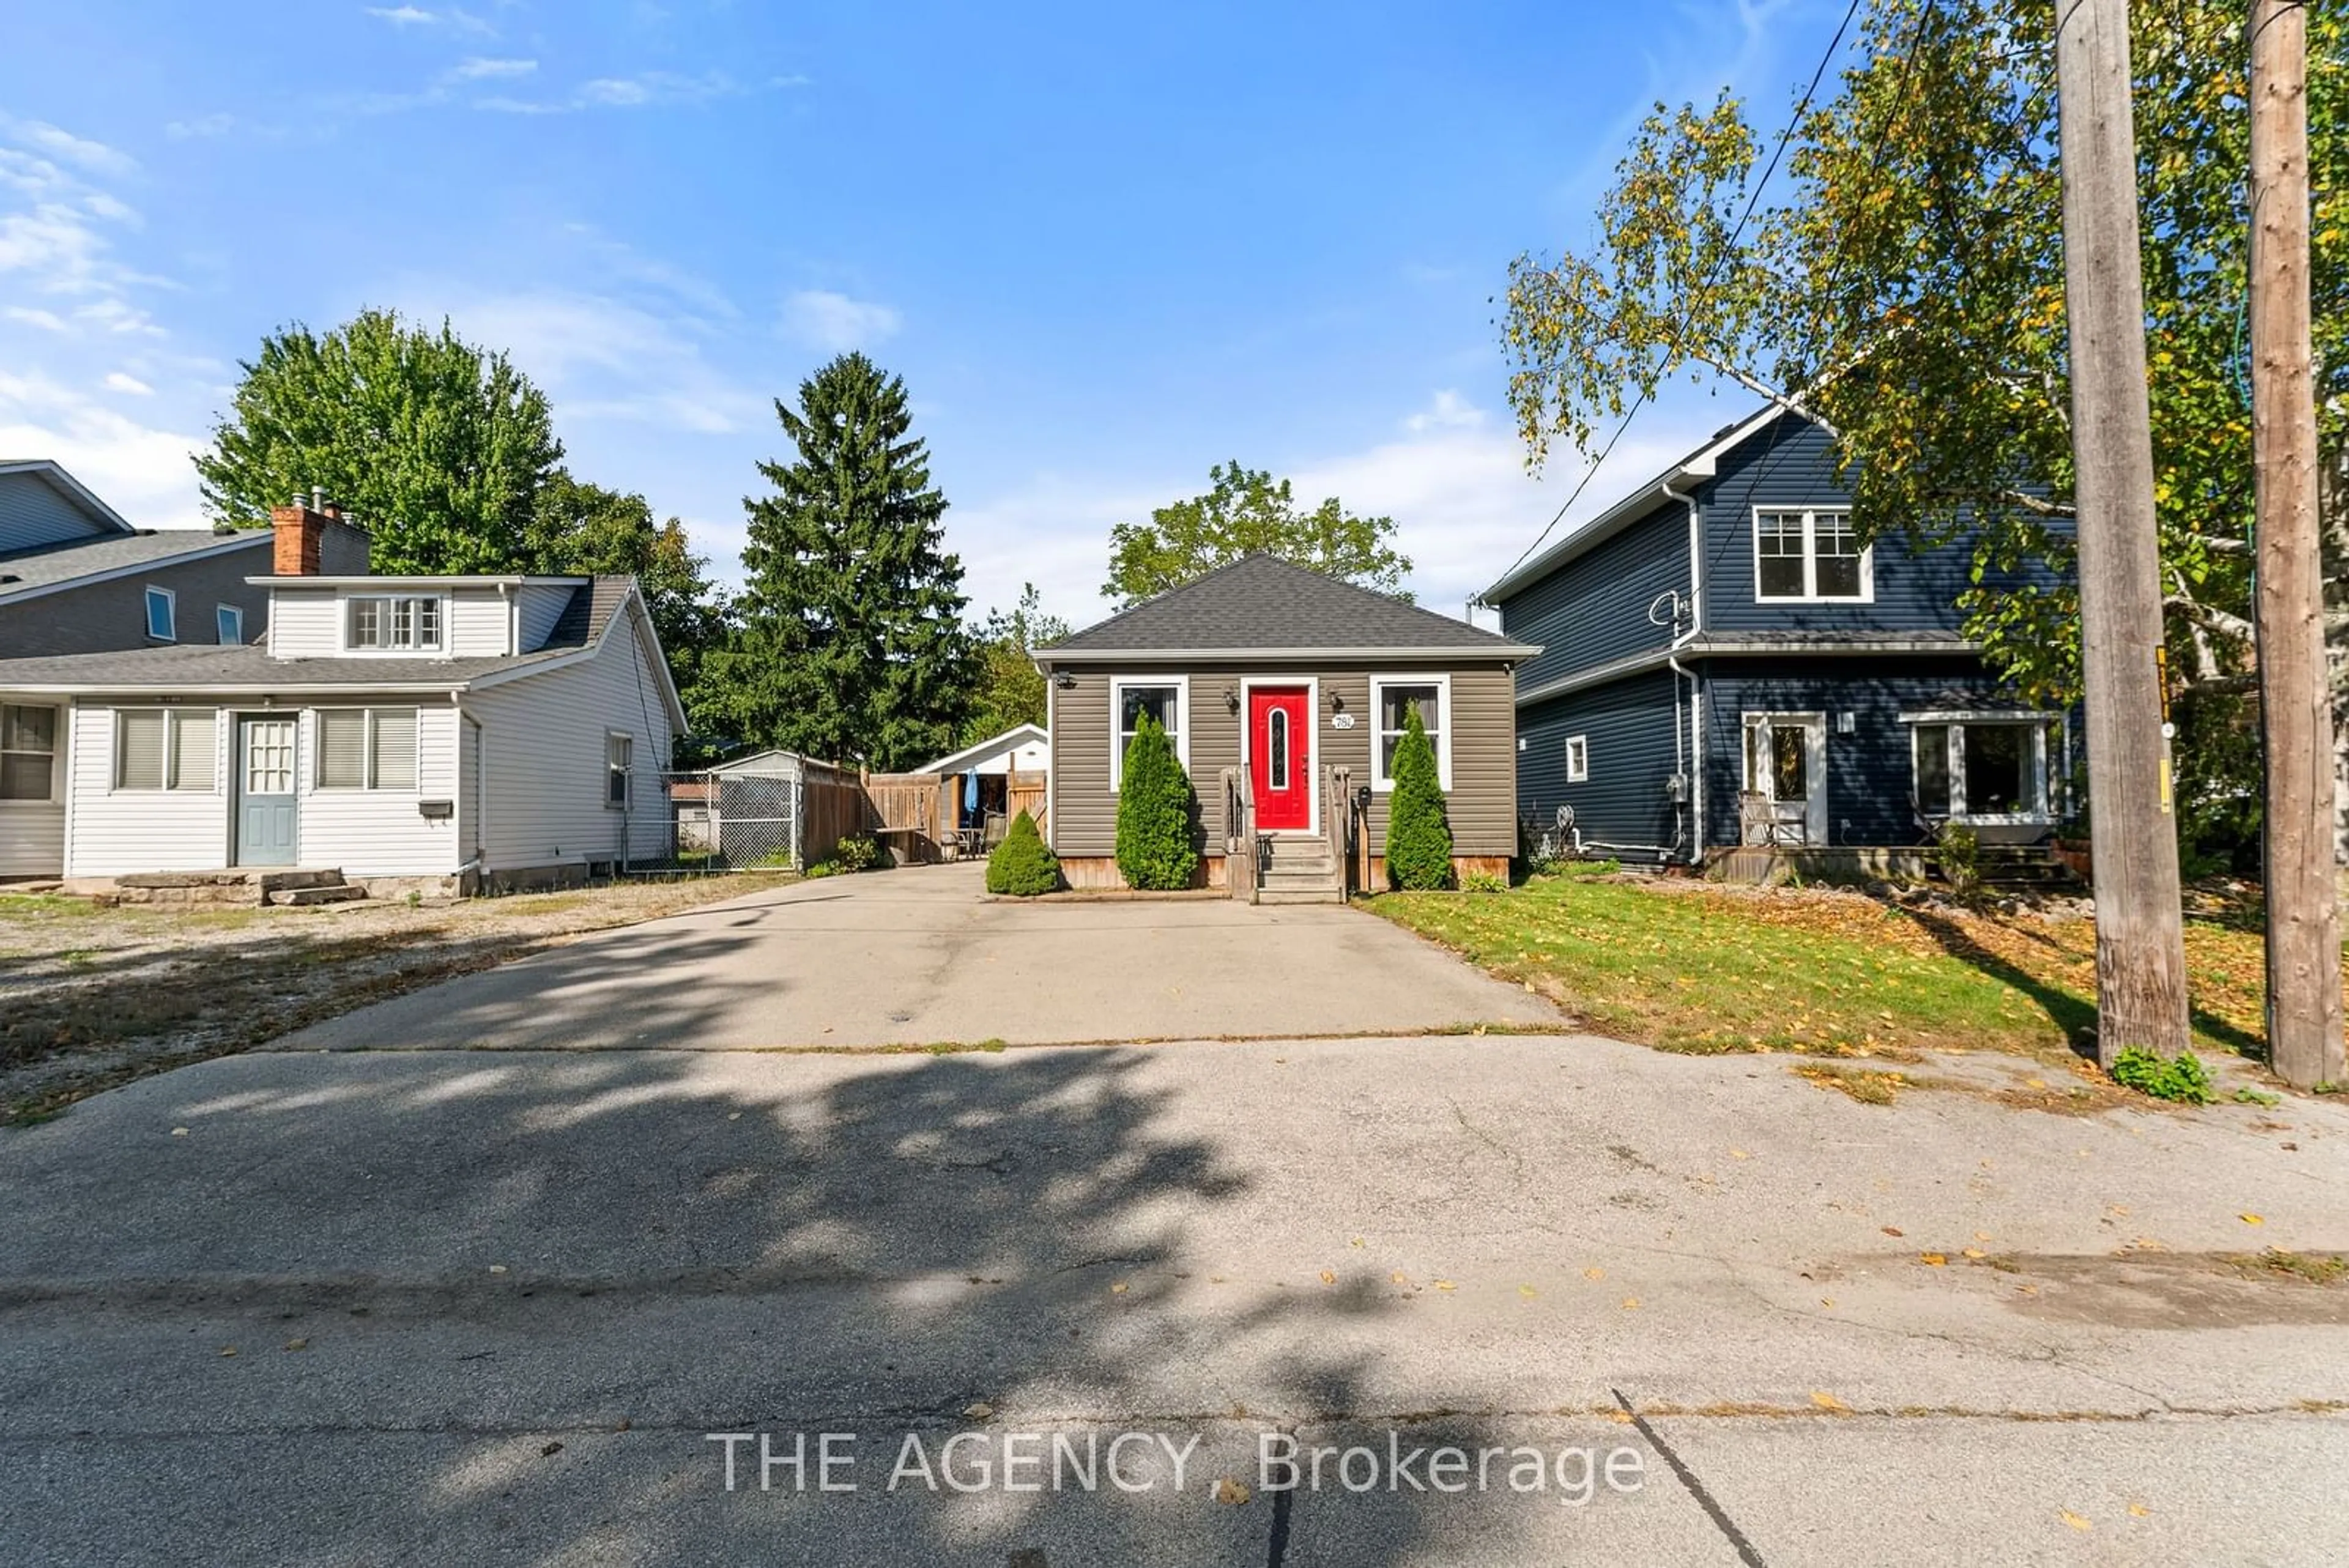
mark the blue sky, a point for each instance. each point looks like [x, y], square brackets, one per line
[1107, 246]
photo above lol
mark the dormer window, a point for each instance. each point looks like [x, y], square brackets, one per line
[1810, 555]
[394, 623]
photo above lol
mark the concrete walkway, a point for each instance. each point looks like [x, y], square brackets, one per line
[917, 957]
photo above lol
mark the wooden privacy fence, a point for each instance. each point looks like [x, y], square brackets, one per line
[833, 801]
[1024, 792]
[904, 813]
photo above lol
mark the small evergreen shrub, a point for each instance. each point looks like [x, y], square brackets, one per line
[2182, 1077]
[1956, 854]
[1021, 866]
[1484, 882]
[1419, 835]
[1155, 809]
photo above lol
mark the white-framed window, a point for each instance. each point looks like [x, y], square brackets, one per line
[1577, 758]
[392, 623]
[1392, 699]
[28, 751]
[618, 750]
[229, 621]
[1980, 767]
[165, 748]
[1809, 555]
[1166, 698]
[162, 614]
[367, 748]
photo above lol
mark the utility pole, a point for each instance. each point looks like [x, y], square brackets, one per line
[2295, 707]
[2140, 937]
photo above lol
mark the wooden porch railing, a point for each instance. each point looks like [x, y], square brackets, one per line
[1239, 835]
[1337, 813]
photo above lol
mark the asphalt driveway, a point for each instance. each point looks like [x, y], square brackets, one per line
[918, 957]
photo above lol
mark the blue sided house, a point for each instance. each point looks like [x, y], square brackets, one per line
[1729, 677]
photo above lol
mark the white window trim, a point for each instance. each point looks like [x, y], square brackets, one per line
[1810, 594]
[1312, 684]
[1443, 684]
[318, 784]
[221, 612]
[1117, 685]
[1578, 759]
[628, 775]
[171, 613]
[1957, 724]
[59, 718]
[438, 650]
[172, 714]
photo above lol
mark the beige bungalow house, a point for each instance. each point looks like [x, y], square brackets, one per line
[1281, 688]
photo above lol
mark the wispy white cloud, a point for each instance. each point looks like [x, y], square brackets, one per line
[198, 127]
[94, 157]
[479, 68]
[825, 319]
[402, 15]
[649, 89]
[120, 381]
[1446, 410]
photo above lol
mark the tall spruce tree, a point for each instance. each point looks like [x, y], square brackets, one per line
[850, 644]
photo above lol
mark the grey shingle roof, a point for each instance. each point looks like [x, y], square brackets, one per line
[204, 665]
[1264, 602]
[591, 608]
[50, 564]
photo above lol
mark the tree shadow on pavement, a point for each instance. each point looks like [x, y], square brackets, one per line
[526, 1287]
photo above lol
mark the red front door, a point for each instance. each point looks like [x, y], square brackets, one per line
[1280, 757]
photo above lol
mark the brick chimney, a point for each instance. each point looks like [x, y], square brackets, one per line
[301, 530]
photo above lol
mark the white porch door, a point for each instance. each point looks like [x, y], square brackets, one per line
[1786, 763]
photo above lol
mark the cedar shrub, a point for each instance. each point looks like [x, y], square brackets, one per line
[1419, 835]
[1021, 866]
[1155, 811]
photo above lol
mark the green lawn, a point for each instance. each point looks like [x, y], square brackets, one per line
[1698, 968]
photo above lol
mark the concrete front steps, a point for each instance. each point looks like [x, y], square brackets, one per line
[1300, 871]
[297, 889]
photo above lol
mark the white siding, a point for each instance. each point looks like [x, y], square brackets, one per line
[116, 832]
[542, 604]
[543, 777]
[481, 623]
[305, 623]
[376, 832]
[34, 512]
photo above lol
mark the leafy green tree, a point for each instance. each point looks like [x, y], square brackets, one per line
[1419, 834]
[437, 447]
[1021, 866]
[1156, 847]
[1010, 690]
[1908, 292]
[1243, 513]
[577, 527]
[850, 644]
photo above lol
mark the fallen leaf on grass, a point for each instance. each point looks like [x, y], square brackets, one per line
[2074, 1520]
[2252, 1219]
[1231, 1491]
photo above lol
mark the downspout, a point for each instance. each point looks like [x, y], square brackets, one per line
[480, 790]
[1696, 752]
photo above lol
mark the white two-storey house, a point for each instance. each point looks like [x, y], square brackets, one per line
[492, 731]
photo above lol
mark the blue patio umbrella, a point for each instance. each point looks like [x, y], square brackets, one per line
[971, 791]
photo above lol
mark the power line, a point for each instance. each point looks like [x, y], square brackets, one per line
[1752, 201]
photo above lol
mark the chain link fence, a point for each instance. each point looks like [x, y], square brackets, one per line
[731, 822]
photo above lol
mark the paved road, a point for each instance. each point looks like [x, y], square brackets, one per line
[487, 1308]
[917, 957]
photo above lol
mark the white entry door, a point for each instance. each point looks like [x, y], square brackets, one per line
[1786, 763]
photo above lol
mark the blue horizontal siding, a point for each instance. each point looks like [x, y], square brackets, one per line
[1628, 727]
[1790, 463]
[1594, 608]
[1871, 777]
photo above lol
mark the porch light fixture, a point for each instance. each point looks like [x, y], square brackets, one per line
[1232, 698]
[1064, 680]
[1337, 702]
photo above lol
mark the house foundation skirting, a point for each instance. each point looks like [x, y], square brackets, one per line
[1766, 866]
[1098, 873]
